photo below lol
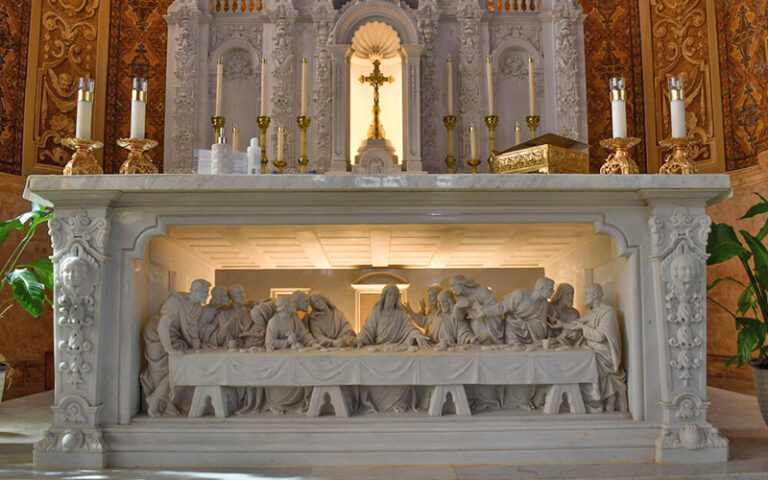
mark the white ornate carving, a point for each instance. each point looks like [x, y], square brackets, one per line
[567, 70]
[504, 32]
[283, 15]
[79, 243]
[185, 16]
[222, 33]
[692, 436]
[428, 16]
[468, 14]
[323, 17]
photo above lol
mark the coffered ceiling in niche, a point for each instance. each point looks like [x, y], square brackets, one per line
[402, 246]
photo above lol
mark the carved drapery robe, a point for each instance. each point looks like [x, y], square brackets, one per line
[329, 324]
[448, 328]
[481, 322]
[525, 318]
[601, 331]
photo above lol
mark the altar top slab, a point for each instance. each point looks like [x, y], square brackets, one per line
[180, 189]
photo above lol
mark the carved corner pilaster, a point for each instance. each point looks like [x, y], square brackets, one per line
[79, 254]
[678, 251]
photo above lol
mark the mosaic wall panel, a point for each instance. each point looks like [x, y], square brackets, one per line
[14, 40]
[137, 47]
[743, 49]
[612, 45]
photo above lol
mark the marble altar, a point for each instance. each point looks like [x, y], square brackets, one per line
[657, 225]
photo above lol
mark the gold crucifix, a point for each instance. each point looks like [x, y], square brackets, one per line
[376, 79]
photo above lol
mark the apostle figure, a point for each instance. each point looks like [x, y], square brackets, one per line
[327, 323]
[233, 320]
[600, 328]
[445, 328]
[427, 308]
[262, 312]
[166, 335]
[286, 330]
[387, 324]
[525, 312]
[471, 301]
[561, 312]
[208, 326]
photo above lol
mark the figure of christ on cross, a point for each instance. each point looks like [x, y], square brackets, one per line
[376, 79]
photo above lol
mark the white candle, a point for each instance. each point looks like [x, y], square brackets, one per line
[138, 108]
[235, 137]
[518, 133]
[84, 109]
[449, 74]
[531, 86]
[677, 107]
[219, 82]
[304, 87]
[618, 108]
[472, 142]
[489, 79]
[280, 132]
[263, 87]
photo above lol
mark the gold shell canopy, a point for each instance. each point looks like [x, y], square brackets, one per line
[375, 41]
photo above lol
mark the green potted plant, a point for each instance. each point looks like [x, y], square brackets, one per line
[28, 282]
[751, 313]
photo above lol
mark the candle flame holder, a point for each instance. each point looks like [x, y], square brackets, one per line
[679, 161]
[218, 127]
[620, 161]
[533, 123]
[491, 121]
[474, 163]
[263, 122]
[450, 123]
[82, 162]
[137, 162]
[303, 122]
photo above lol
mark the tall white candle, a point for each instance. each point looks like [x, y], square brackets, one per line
[138, 108]
[449, 75]
[263, 87]
[472, 142]
[677, 107]
[518, 134]
[280, 133]
[489, 79]
[84, 109]
[304, 87]
[618, 107]
[219, 82]
[235, 137]
[531, 86]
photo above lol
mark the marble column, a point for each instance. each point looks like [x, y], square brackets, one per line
[323, 17]
[411, 109]
[428, 16]
[339, 108]
[284, 94]
[468, 15]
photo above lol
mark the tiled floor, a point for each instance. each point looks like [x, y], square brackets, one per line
[23, 420]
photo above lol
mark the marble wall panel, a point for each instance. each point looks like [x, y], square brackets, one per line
[14, 40]
[743, 49]
[612, 45]
[137, 48]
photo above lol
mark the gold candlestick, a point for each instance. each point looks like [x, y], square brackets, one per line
[533, 124]
[218, 127]
[620, 161]
[491, 121]
[474, 162]
[82, 162]
[679, 160]
[137, 162]
[263, 122]
[303, 122]
[450, 122]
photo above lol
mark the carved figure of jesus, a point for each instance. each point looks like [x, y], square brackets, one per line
[376, 79]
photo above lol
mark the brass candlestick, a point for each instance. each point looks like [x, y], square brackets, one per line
[474, 162]
[279, 165]
[82, 162]
[491, 121]
[679, 160]
[450, 122]
[137, 162]
[620, 161]
[218, 127]
[533, 124]
[303, 122]
[263, 122]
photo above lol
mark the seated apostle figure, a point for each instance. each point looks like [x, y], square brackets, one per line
[327, 323]
[444, 327]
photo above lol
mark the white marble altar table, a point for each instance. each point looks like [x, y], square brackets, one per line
[209, 370]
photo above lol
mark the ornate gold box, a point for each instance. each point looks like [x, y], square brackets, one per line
[548, 153]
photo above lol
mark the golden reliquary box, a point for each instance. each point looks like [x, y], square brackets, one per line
[548, 153]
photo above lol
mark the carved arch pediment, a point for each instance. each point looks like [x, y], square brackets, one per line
[375, 10]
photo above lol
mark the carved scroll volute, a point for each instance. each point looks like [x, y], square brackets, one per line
[79, 255]
[678, 242]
